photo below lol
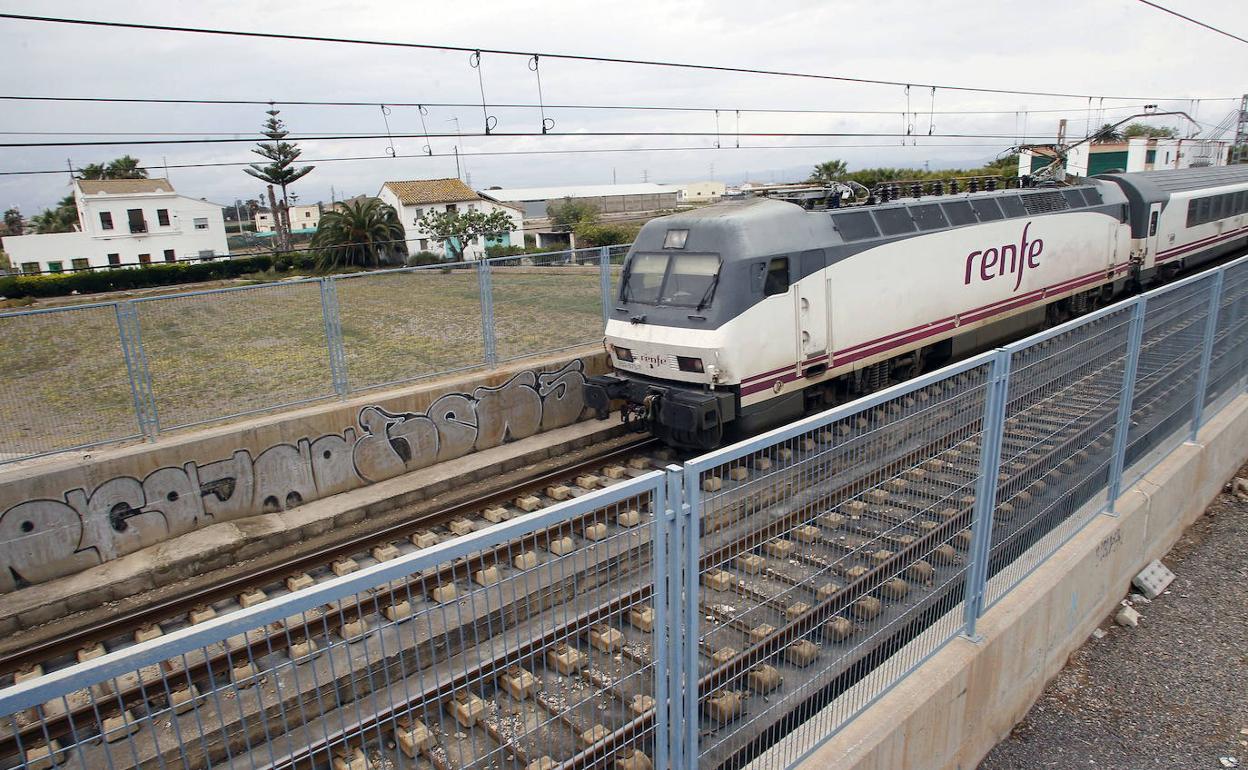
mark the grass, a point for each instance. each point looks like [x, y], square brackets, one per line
[211, 356]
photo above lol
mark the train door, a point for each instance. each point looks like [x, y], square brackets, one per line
[1151, 236]
[812, 306]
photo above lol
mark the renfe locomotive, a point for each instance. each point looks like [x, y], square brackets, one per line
[746, 314]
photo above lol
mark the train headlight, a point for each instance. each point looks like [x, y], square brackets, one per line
[624, 354]
[687, 364]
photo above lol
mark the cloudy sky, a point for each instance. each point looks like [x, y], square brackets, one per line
[1104, 47]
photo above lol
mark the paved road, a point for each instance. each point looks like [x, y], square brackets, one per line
[1171, 693]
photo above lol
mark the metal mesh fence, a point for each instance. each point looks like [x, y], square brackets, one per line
[1228, 363]
[230, 352]
[1057, 448]
[825, 552]
[65, 382]
[528, 644]
[403, 325]
[545, 303]
[1168, 373]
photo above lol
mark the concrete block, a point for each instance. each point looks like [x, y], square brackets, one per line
[838, 629]
[629, 518]
[632, 759]
[779, 548]
[183, 700]
[26, 674]
[761, 631]
[299, 581]
[91, 653]
[466, 708]
[444, 593]
[867, 608]
[712, 484]
[243, 674]
[461, 526]
[642, 618]
[614, 471]
[542, 763]
[349, 758]
[764, 678]
[554, 492]
[606, 638]
[518, 682]
[761, 463]
[251, 598]
[723, 655]
[352, 630]
[413, 738]
[587, 482]
[639, 463]
[795, 610]
[807, 533]
[45, 757]
[486, 577]
[424, 539]
[561, 546]
[384, 552]
[1153, 579]
[595, 531]
[525, 560]
[594, 734]
[717, 580]
[739, 473]
[826, 591]
[895, 589]
[723, 706]
[784, 454]
[303, 649]
[496, 514]
[750, 563]
[344, 566]
[566, 659]
[802, 653]
[640, 704]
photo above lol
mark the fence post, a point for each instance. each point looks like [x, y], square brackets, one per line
[1122, 427]
[136, 370]
[1206, 353]
[604, 282]
[485, 288]
[986, 489]
[668, 639]
[689, 517]
[333, 336]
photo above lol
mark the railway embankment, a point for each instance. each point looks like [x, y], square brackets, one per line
[970, 695]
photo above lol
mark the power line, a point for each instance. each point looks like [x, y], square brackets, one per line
[1198, 23]
[566, 57]
[526, 134]
[534, 106]
[489, 153]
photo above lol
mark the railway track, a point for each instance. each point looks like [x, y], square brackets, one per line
[845, 544]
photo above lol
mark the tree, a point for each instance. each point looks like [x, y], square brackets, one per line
[1147, 131]
[829, 171]
[62, 219]
[1108, 134]
[571, 213]
[125, 167]
[362, 233]
[281, 171]
[455, 229]
[13, 222]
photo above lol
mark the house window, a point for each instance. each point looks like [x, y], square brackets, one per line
[114, 259]
[137, 223]
[206, 254]
[201, 223]
[450, 207]
[169, 255]
[145, 259]
[307, 214]
[30, 267]
[424, 244]
[56, 267]
[81, 263]
[106, 220]
[162, 216]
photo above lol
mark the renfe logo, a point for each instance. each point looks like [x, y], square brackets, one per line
[1008, 259]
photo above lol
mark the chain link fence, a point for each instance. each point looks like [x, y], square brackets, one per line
[89, 375]
[737, 610]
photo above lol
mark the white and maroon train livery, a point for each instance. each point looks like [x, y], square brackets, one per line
[749, 313]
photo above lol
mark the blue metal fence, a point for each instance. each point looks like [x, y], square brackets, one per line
[741, 608]
[88, 375]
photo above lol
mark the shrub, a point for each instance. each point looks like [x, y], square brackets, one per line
[424, 258]
[94, 281]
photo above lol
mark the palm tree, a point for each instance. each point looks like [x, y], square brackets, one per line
[93, 171]
[1109, 134]
[62, 219]
[359, 233]
[126, 167]
[829, 171]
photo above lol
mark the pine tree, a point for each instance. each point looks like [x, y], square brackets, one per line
[281, 171]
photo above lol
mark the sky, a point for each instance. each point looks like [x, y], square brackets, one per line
[1103, 47]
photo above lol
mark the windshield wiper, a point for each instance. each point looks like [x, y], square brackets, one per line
[706, 296]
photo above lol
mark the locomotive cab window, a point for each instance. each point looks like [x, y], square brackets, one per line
[776, 281]
[685, 280]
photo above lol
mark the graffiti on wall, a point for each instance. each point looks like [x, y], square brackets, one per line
[42, 539]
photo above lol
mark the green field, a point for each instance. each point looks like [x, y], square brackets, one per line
[257, 348]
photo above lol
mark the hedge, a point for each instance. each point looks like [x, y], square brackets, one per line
[92, 281]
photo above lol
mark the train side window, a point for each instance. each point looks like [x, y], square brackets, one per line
[1202, 210]
[1191, 213]
[986, 208]
[1152, 224]
[777, 280]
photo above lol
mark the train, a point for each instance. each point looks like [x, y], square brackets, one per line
[747, 314]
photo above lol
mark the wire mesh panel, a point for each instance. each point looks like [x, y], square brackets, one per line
[64, 383]
[1228, 364]
[832, 561]
[1057, 448]
[548, 302]
[402, 325]
[529, 643]
[1168, 372]
[223, 353]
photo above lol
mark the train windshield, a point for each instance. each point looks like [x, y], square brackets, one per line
[685, 280]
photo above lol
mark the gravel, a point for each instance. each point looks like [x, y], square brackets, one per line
[1171, 693]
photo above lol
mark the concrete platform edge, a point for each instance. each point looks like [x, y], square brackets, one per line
[965, 699]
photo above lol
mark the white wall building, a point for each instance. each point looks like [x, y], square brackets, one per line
[417, 197]
[302, 219]
[701, 192]
[125, 222]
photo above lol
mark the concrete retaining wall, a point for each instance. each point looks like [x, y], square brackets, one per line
[967, 697]
[62, 516]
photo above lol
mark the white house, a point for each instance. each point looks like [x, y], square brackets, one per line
[125, 222]
[303, 219]
[701, 192]
[417, 197]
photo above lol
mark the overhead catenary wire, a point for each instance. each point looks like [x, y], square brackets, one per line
[478, 50]
[1197, 22]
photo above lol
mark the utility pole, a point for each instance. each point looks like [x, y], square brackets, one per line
[1239, 151]
[459, 139]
